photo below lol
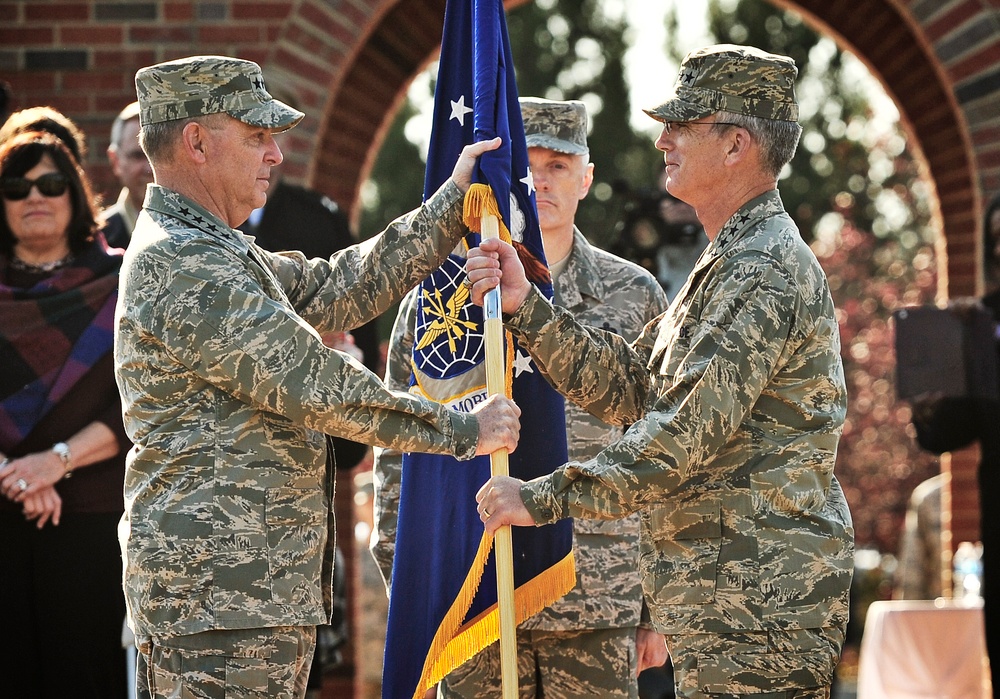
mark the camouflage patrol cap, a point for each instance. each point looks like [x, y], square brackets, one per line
[558, 126]
[200, 85]
[737, 79]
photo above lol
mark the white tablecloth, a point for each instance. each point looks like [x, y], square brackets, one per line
[923, 650]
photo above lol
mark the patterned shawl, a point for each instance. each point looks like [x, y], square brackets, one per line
[51, 335]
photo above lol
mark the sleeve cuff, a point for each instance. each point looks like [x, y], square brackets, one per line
[445, 205]
[465, 435]
[541, 502]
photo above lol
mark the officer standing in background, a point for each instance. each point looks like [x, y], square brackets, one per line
[132, 169]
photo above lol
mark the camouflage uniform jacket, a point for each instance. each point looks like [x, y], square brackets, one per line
[227, 391]
[599, 289]
[737, 400]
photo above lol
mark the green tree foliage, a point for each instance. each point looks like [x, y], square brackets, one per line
[568, 49]
[397, 178]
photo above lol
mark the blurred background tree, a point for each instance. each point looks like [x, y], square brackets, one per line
[854, 188]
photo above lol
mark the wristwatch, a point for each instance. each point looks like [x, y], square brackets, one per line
[62, 451]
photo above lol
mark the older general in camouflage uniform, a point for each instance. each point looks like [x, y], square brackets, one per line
[736, 401]
[227, 536]
[584, 645]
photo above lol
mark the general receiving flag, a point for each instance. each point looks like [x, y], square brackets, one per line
[442, 608]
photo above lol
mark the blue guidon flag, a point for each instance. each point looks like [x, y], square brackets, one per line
[443, 602]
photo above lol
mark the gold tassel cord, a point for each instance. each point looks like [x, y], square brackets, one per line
[479, 201]
[441, 653]
[529, 599]
[452, 645]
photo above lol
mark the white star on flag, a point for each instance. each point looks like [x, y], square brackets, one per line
[529, 182]
[459, 110]
[522, 363]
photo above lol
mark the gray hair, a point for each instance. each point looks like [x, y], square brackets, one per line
[158, 140]
[118, 125]
[778, 139]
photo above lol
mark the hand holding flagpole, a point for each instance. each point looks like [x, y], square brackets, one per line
[504, 550]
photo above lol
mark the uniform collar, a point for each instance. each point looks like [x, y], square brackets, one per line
[170, 203]
[741, 224]
[581, 278]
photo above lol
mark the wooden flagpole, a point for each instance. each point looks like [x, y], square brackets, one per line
[504, 551]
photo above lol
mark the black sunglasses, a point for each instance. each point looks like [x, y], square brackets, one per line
[53, 184]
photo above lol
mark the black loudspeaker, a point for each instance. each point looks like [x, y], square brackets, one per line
[944, 352]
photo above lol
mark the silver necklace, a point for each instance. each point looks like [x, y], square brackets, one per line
[19, 264]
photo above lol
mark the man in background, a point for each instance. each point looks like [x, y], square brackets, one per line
[131, 167]
[920, 549]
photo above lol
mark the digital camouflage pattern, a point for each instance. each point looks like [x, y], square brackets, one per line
[202, 85]
[736, 400]
[557, 665]
[606, 292]
[227, 390]
[737, 79]
[603, 291]
[558, 126]
[730, 665]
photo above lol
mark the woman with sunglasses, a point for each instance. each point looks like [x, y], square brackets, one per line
[60, 416]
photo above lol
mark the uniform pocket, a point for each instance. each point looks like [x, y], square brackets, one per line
[682, 565]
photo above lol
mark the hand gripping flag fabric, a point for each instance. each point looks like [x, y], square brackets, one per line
[443, 602]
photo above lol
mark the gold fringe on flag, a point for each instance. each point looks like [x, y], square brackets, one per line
[453, 645]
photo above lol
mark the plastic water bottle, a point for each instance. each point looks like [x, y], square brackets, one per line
[967, 578]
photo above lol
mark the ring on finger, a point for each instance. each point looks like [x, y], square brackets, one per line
[22, 484]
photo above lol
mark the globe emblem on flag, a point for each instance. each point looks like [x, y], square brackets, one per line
[449, 329]
[518, 221]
